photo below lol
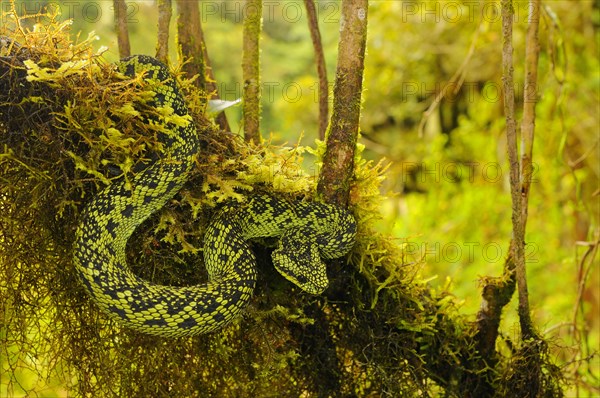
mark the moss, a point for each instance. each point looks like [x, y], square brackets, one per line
[69, 124]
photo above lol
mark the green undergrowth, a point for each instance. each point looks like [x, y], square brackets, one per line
[69, 125]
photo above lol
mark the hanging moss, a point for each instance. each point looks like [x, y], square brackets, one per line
[69, 125]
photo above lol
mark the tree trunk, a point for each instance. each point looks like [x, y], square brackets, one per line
[251, 70]
[189, 37]
[164, 19]
[518, 246]
[338, 162]
[121, 28]
[532, 51]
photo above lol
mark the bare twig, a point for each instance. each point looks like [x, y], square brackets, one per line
[518, 246]
[315, 34]
[532, 51]
[251, 70]
[211, 84]
[586, 265]
[498, 291]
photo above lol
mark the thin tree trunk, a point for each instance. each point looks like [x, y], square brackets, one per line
[211, 84]
[211, 87]
[338, 162]
[164, 19]
[121, 28]
[251, 70]
[315, 34]
[189, 38]
[518, 241]
[498, 291]
[532, 51]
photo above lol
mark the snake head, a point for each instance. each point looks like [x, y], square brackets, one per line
[297, 258]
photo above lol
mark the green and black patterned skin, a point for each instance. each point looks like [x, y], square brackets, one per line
[308, 233]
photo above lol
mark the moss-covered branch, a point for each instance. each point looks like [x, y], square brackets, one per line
[69, 124]
[189, 37]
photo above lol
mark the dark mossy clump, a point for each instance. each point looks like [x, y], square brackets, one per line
[69, 124]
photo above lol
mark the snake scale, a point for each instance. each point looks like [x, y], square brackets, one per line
[308, 232]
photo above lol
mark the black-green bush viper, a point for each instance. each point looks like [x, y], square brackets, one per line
[307, 231]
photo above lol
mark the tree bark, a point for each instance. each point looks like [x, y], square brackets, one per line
[315, 34]
[189, 37]
[337, 171]
[121, 28]
[338, 161]
[518, 252]
[532, 51]
[251, 70]
[164, 19]
[211, 84]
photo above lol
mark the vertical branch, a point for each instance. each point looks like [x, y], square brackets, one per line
[121, 28]
[251, 70]
[191, 39]
[315, 34]
[338, 161]
[518, 246]
[211, 84]
[532, 51]
[164, 19]
[188, 36]
[498, 291]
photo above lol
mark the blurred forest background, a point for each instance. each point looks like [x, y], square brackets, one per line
[448, 196]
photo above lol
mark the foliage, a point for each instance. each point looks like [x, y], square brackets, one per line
[397, 330]
[79, 141]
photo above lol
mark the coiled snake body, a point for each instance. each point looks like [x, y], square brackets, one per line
[307, 231]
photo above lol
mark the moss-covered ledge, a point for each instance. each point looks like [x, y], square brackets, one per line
[67, 129]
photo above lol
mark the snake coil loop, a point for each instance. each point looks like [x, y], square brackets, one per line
[307, 231]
